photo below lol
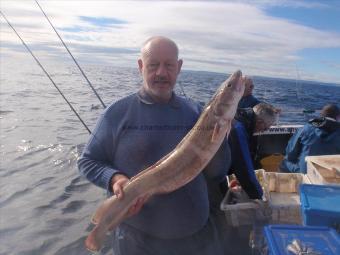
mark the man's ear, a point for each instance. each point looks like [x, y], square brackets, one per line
[140, 65]
[180, 63]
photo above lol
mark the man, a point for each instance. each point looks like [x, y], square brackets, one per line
[321, 136]
[248, 100]
[136, 132]
[247, 122]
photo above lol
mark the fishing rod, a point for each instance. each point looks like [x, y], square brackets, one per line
[47, 74]
[305, 111]
[182, 89]
[75, 61]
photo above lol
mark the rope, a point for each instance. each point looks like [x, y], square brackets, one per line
[38, 62]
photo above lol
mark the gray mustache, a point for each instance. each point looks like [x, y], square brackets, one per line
[161, 79]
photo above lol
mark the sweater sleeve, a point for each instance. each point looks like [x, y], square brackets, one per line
[242, 164]
[95, 162]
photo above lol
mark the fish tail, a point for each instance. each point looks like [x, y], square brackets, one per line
[95, 240]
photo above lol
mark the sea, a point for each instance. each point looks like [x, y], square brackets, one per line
[45, 205]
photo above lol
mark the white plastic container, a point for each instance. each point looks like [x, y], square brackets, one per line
[239, 213]
[239, 210]
[283, 196]
[324, 169]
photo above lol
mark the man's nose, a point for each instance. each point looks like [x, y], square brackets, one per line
[161, 70]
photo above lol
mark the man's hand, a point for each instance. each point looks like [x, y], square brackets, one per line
[118, 182]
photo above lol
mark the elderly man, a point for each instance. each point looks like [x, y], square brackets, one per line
[248, 100]
[321, 136]
[136, 132]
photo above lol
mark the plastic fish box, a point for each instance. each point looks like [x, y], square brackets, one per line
[239, 210]
[292, 239]
[320, 205]
[283, 196]
[324, 169]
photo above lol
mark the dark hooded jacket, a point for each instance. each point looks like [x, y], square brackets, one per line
[321, 136]
[248, 101]
[240, 141]
[248, 119]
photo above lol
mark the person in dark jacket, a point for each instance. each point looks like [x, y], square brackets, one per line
[247, 122]
[321, 136]
[248, 100]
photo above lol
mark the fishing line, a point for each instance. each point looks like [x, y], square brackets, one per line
[75, 61]
[304, 111]
[297, 85]
[180, 85]
[38, 62]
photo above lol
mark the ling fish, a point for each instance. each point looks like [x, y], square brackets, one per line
[178, 167]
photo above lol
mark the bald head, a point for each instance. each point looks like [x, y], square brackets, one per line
[158, 43]
[159, 65]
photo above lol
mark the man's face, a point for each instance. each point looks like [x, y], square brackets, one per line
[160, 66]
[248, 89]
[262, 125]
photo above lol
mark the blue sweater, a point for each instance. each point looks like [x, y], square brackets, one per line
[134, 133]
[319, 137]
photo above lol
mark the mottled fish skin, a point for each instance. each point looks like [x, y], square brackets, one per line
[178, 167]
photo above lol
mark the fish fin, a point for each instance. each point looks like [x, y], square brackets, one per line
[216, 132]
[228, 129]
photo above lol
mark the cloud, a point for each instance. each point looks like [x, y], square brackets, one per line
[309, 4]
[213, 36]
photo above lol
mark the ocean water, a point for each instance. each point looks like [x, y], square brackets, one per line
[45, 206]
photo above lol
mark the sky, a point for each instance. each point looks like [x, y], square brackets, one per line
[274, 38]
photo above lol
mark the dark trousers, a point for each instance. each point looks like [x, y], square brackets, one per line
[130, 241]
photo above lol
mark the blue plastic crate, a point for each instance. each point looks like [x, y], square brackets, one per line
[320, 205]
[320, 240]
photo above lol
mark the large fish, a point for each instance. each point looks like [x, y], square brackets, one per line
[178, 167]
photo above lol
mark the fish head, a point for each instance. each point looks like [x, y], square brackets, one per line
[228, 96]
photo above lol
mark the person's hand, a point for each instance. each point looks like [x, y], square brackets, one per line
[235, 185]
[118, 183]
